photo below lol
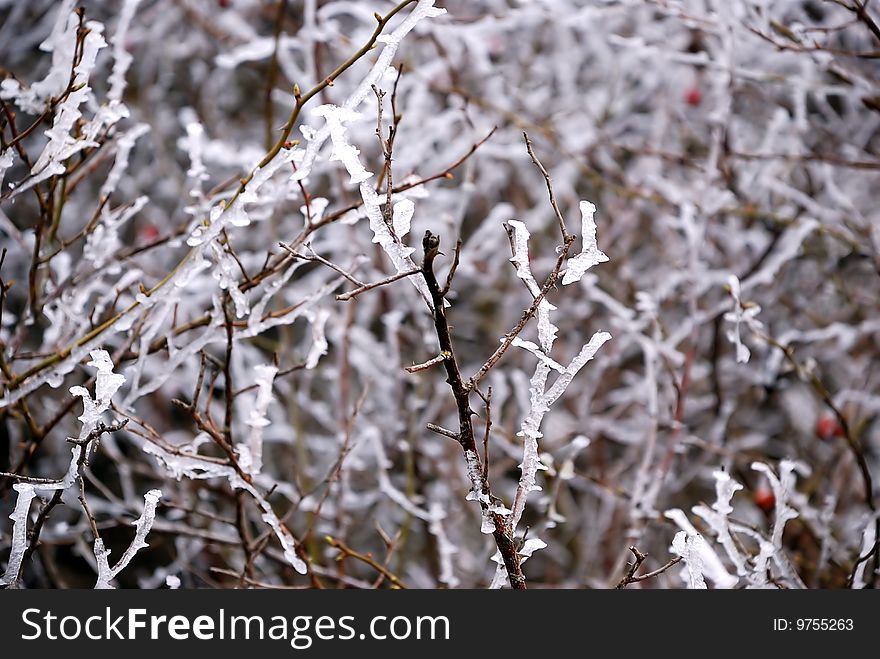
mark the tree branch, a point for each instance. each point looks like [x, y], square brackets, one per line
[461, 392]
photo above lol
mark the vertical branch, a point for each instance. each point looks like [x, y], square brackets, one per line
[244, 535]
[549, 183]
[43, 515]
[387, 146]
[487, 402]
[227, 372]
[461, 392]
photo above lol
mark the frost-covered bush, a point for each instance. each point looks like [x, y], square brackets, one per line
[649, 322]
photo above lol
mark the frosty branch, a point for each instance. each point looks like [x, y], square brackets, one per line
[501, 531]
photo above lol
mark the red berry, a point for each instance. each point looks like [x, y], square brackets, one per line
[224, 3]
[764, 498]
[693, 96]
[827, 427]
[149, 233]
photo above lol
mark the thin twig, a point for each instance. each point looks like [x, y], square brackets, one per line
[527, 315]
[439, 359]
[366, 287]
[227, 371]
[320, 259]
[632, 568]
[861, 559]
[387, 146]
[365, 558]
[20, 478]
[451, 274]
[487, 401]
[461, 392]
[549, 183]
[206, 426]
[43, 515]
[440, 430]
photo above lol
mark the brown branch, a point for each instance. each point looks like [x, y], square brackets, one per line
[20, 478]
[90, 516]
[253, 582]
[527, 315]
[461, 392]
[549, 184]
[207, 427]
[440, 430]
[366, 287]
[279, 375]
[386, 147]
[632, 568]
[487, 401]
[244, 534]
[43, 515]
[227, 371]
[365, 558]
[317, 258]
[861, 559]
[860, 8]
[451, 274]
[424, 366]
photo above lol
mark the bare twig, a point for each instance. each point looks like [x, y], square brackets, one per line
[527, 315]
[387, 146]
[244, 534]
[632, 568]
[861, 559]
[366, 287]
[227, 371]
[320, 259]
[461, 392]
[451, 274]
[206, 426]
[487, 401]
[43, 515]
[20, 478]
[439, 359]
[365, 558]
[549, 183]
[440, 430]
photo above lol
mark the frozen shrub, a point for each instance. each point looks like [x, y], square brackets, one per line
[325, 278]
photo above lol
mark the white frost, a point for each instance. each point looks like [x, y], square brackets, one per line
[19, 517]
[402, 216]
[741, 315]
[717, 517]
[343, 150]
[251, 452]
[122, 58]
[445, 548]
[5, 163]
[142, 524]
[590, 253]
[689, 547]
[319, 345]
